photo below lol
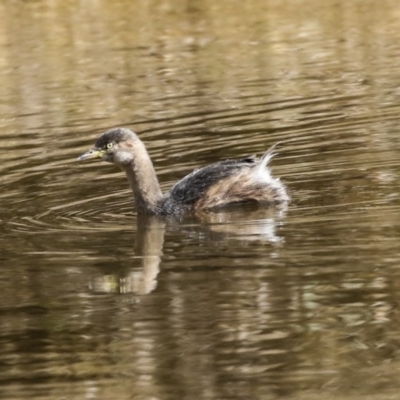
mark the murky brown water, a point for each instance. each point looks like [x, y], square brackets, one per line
[250, 304]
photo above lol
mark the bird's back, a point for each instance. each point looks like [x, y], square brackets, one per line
[224, 183]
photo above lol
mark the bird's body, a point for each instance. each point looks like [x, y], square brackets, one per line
[216, 185]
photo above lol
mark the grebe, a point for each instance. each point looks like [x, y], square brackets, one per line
[216, 185]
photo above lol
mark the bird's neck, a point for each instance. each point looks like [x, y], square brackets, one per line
[143, 181]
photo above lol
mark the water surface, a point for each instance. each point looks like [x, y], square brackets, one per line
[299, 303]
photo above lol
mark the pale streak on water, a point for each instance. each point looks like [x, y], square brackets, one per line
[300, 303]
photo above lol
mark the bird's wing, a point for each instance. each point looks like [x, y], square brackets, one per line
[192, 187]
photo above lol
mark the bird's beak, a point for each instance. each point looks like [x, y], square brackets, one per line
[93, 153]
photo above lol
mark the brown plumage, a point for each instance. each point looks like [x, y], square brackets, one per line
[216, 185]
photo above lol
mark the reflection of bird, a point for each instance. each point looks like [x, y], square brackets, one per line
[217, 185]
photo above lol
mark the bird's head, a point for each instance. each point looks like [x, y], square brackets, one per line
[115, 146]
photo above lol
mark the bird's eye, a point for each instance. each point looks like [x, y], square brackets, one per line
[109, 145]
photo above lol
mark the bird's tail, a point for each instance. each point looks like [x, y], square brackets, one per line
[266, 158]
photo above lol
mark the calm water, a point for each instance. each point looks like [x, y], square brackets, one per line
[300, 303]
